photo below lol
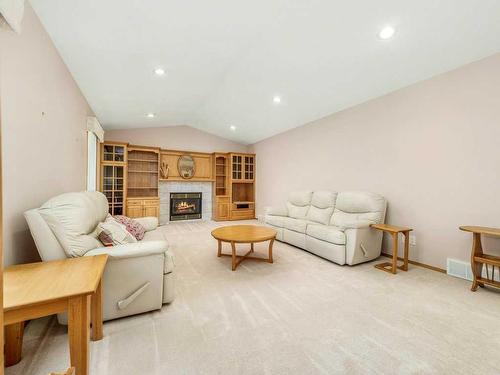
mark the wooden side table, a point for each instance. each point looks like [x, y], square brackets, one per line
[394, 231]
[39, 289]
[478, 258]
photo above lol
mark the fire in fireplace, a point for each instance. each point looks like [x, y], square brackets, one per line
[185, 206]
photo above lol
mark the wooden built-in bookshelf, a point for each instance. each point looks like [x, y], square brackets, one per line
[234, 196]
[130, 177]
[143, 170]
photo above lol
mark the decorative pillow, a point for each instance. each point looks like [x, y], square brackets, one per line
[134, 227]
[112, 232]
[105, 237]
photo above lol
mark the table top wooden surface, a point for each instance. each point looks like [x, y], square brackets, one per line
[390, 228]
[34, 283]
[244, 233]
[481, 230]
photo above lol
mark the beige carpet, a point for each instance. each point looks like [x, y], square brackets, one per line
[300, 315]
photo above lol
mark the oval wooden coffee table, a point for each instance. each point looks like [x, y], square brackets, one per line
[251, 234]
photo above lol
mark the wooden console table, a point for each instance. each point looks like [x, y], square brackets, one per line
[478, 258]
[394, 231]
[40, 289]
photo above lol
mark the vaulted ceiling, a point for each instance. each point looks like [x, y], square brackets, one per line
[225, 60]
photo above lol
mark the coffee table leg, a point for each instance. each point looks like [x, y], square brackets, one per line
[271, 250]
[251, 247]
[233, 255]
[219, 248]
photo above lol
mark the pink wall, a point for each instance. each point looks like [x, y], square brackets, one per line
[175, 138]
[43, 121]
[431, 149]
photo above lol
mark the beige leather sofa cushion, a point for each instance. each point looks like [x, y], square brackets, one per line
[326, 233]
[297, 225]
[73, 218]
[356, 208]
[277, 221]
[322, 204]
[298, 204]
[149, 223]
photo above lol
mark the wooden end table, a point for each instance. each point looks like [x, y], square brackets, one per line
[394, 231]
[478, 258]
[40, 289]
[251, 234]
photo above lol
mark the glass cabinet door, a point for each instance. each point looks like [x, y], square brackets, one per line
[113, 153]
[113, 187]
[119, 153]
[249, 167]
[237, 167]
[108, 153]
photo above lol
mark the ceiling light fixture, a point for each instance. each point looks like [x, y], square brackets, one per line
[232, 127]
[276, 99]
[386, 33]
[150, 115]
[159, 71]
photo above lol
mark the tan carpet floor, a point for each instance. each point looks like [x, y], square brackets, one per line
[300, 315]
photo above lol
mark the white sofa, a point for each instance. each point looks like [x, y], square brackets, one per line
[139, 277]
[335, 226]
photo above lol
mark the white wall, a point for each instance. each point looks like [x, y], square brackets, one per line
[432, 149]
[43, 130]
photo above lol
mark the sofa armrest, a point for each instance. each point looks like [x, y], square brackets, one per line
[277, 211]
[357, 225]
[149, 223]
[362, 244]
[131, 250]
[362, 224]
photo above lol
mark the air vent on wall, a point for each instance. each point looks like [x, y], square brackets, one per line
[463, 270]
[458, 268]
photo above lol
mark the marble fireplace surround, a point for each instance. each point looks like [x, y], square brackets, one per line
[167, 187]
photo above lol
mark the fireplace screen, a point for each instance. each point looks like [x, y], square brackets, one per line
[185, 206]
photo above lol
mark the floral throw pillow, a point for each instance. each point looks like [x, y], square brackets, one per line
[133, 227]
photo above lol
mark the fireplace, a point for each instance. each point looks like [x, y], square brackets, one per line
[185, 206]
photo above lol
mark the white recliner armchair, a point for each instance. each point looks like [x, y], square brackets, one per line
[139, 276]
[335, 226]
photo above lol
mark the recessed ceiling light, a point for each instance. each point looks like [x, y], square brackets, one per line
[150, 115]
[159, 71]
[232, 127]
[276, 99]
[386, 33]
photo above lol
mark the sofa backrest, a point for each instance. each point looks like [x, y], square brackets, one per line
[298, 204]
[322, 205]
[354, 207]
[70, 220]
